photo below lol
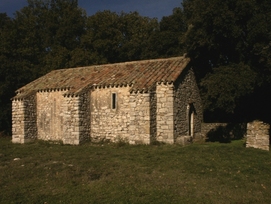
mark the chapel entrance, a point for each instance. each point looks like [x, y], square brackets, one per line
[191, 114]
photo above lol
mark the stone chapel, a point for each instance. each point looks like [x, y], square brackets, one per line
[140, 102]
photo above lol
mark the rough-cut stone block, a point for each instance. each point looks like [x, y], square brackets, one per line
[16, 139]
[258, 135]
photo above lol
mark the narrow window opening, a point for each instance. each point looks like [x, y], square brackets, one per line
[114, 101]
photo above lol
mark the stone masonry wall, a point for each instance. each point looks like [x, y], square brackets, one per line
[18, 121]
[165, 112]
[50, 115]
[24, 128]
[108, 123]
[187, 98]
[30, 123]
[71, 120]
[153, 115]
[84, 117]
[139, 129]
[258, 135]
[207, 127]
[223, 132]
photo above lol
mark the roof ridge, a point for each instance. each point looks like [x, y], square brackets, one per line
[121, 63]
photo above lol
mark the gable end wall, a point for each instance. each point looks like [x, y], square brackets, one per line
[186, 93]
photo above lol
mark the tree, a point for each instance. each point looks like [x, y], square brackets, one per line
[64, 25]
[136, 32]
[113, 37]
[168, 41]
[103, 37]
[5, 66]
[43, 36]
[228, 39]
[225, 85]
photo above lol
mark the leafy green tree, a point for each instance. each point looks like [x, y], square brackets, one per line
[233, 81]
[136, 32]
[16, 63]
[65, 25]
[5, 68]
[168, 41]
[102, 37]
[112, 37]
[229, 44]
[43, 36]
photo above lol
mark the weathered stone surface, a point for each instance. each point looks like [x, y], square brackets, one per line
[50, 115]
[107, 122]
[258, 135]
[187, 107]
[165, 112]
[140, 132]
[24, 128]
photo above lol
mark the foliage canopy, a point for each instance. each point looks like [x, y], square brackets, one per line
[230, 45]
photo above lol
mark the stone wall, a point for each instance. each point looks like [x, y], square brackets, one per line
[84, 117]
[153, 115]
[71, 120]
[258, 135]
[18, 121]
[210, 131]
[187, 109]
[139, 129]
[30, 123]
[108, 123]
[223, 132]
[50, 115]
[165, 112]
[24, 128]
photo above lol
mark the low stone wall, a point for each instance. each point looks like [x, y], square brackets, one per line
[258, 135]
[222, 132]
[207, 128]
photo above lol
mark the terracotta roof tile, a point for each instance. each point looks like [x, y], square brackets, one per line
[141, 75]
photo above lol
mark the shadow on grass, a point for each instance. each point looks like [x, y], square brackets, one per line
[225, 134]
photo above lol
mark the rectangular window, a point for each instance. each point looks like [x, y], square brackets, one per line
[114, 101]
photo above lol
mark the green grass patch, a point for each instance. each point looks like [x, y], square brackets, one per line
[109, 173]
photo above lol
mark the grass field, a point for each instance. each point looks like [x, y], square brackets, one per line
[114, 173]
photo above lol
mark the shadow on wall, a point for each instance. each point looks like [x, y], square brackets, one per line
[227, 133]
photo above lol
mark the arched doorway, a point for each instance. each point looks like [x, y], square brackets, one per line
[191, 115]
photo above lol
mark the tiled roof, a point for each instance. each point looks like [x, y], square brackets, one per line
[140, 75]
